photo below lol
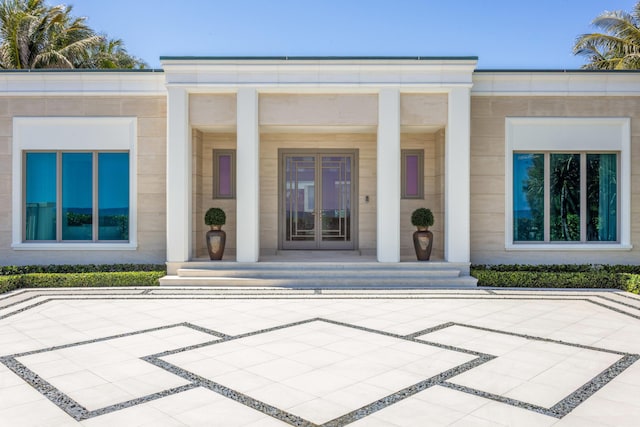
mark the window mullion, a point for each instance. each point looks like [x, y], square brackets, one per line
[583, 197]
[547, 197]
[94, 206]
[59, 196]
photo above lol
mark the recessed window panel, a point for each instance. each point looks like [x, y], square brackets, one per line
[113, 196]
[40, 183]
[602, 197]
[77, 196]
[224, 174]
[528, 197]
[564, 182]
[412, 174]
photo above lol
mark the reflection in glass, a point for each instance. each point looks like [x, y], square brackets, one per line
[113, 196]
[412, 186]
[300, 172]
[77, 196]
[565, 197]
[336, 198]
[40, 221]
[528, 197]
[602, 197]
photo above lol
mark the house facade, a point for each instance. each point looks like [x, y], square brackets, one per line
[319, 154]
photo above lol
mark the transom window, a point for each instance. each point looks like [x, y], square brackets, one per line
[76, 196]
[565, 197]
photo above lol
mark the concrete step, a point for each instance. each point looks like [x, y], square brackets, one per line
[298, 273]
[325, 283]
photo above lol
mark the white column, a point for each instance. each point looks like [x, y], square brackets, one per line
[388, 176]
[247, 177]
[178, 176]
[457, 177]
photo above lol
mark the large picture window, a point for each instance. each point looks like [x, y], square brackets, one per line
[565, 197]
[76, 196]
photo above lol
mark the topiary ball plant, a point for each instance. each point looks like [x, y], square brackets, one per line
[215, 217]
[422, 218]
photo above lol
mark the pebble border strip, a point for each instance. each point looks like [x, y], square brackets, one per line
[559, 410]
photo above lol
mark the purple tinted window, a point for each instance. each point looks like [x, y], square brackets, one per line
[412, 167]
[224, 176]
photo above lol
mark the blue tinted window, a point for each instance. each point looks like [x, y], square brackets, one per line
[528, 197]
[40, 182]
[77, 196]
[113, 196]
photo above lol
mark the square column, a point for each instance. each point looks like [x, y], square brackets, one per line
[457, 194]
[388, 176]
[247, 177]
[179, 164]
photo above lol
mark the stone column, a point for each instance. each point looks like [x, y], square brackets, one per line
[179, 163]
[457, 177]
[247, 177]
[388, 176]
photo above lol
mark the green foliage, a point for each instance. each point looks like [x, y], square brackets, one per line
[81, 268]
[215, 216]
[422, 217]
[128, 278]
[616, 46]
[9, 283]
[36, 35]
[624, 277]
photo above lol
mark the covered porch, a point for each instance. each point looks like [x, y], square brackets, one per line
[384, 109]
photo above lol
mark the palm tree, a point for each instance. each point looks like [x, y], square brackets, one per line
[110, 53]
[617, 47]
[34, 35]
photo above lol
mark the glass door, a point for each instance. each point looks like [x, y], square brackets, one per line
[317, 209]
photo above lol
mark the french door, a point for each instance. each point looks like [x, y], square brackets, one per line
[317, 200]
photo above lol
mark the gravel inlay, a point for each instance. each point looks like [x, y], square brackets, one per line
[75, 410]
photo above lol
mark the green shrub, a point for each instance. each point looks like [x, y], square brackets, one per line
[215, 216]
[89, 275]
[9, 283]
[80, 268]
[422, 217]
[70, 280]
[624, 277]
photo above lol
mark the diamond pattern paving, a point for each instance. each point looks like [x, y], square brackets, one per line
[181, 357]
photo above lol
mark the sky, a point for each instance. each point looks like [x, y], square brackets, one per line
[503, 34]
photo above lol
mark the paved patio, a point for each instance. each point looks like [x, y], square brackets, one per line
[269, 357]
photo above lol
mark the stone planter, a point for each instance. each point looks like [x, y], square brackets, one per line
[423, 242]
[216, 239]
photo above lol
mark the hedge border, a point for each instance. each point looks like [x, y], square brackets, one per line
[623, 277]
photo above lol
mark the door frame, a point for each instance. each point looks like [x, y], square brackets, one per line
[355, 199]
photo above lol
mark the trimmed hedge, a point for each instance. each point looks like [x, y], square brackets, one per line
[625, 277]
[81, 268]
[90, 275]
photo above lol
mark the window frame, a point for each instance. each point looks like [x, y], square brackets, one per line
[403, 171]
[566, 135]
[217, 153]
[68, 134]
[583, 199]
[95, 224]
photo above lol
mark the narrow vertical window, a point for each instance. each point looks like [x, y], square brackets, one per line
[412, 174]
[41, 173]
[113, 196]
[528, 197]
[602, 197]
[224, 174]
[77, 196]
[564, 182]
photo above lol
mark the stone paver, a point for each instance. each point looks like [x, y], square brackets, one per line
[273, 357]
